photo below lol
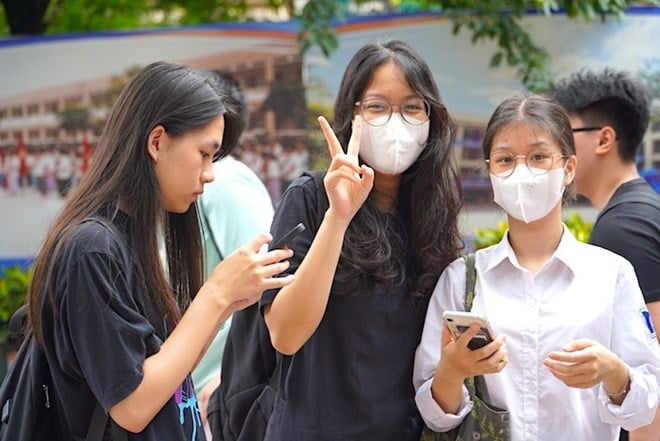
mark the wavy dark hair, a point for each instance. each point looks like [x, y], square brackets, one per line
[181, 100]
[417, 246]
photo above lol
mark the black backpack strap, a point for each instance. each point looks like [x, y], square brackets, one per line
[470, 280]
[322, 203]
[281, 369]
[97, 426]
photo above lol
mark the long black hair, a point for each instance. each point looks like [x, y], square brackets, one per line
[417, 246]
[121, 173]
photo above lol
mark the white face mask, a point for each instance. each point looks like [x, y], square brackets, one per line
[394, 146]
[527, 197]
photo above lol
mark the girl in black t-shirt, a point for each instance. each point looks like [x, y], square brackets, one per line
[116, 327]
[365, 267]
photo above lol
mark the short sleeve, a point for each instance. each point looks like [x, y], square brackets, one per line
[636, 237]
[103, 336]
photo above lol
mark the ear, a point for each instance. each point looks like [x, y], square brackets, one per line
[606, 141]
[155, 142]
[569, 171]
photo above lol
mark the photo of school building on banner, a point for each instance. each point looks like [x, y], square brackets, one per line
[56, 92]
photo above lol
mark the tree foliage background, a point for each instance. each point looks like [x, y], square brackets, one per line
[491, 20]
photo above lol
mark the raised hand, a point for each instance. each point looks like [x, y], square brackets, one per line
[241, 277]
[347, 183]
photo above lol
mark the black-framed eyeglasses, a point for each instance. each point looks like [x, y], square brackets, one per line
[585, 129]
[502, 164]
[377, 112]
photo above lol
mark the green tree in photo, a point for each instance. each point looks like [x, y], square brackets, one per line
[498, 21]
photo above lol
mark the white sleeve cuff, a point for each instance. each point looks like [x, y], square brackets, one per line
[637, 409]
[434, 416]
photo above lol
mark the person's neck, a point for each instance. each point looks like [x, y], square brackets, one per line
[608, 181]
[386, 192]
[535, 243]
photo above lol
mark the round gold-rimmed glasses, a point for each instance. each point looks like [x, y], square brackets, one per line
[502, 164]
[377, 112]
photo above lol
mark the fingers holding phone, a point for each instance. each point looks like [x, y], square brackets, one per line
[479, 352]
[243, 275]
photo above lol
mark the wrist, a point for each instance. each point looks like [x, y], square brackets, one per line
[334, 218]
[619, 385]
[216, 301]
[448, 376]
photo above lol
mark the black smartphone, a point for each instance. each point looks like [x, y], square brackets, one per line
[286, 239]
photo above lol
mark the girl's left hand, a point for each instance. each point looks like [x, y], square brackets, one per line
[584, 363]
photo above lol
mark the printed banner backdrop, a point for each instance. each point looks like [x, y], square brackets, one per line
[56, 92]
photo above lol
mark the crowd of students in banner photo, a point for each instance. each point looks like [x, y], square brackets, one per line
[44, 169]
[172, 309]
[56, 168]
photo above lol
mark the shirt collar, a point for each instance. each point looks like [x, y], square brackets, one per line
[565, 253]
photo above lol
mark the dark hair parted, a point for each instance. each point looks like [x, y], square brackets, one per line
[538, 112]
[122, 174]
[417, 248]
[608, 98]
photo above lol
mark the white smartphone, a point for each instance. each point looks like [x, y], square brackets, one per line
[459, 321]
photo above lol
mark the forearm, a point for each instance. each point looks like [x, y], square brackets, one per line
[447, 390]
[647, 433]
[164, 371]
[298, 308]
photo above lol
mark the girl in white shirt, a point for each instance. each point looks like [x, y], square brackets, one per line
[576, 355]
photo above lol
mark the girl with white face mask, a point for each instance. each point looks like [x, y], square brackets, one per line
[580, 358]
[380, 228]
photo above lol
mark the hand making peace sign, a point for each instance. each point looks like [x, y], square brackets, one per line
[347, 183]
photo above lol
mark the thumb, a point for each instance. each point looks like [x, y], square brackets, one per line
[577, 345]
[258, 241]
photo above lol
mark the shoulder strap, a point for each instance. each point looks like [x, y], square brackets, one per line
[283, 361]
[322, 203]
[97, 426]
[476, 385]
[208, 230]
[470, 280]
[281, 369]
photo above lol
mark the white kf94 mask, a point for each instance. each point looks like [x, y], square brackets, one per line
[528, 197]
[393, 147]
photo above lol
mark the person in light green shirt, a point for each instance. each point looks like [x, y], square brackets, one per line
[233, 209]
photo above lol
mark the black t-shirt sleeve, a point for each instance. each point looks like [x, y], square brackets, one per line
[635, 237]
[299, 204]
[103, 336]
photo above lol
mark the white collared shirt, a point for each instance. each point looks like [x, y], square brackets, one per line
[583, 291]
